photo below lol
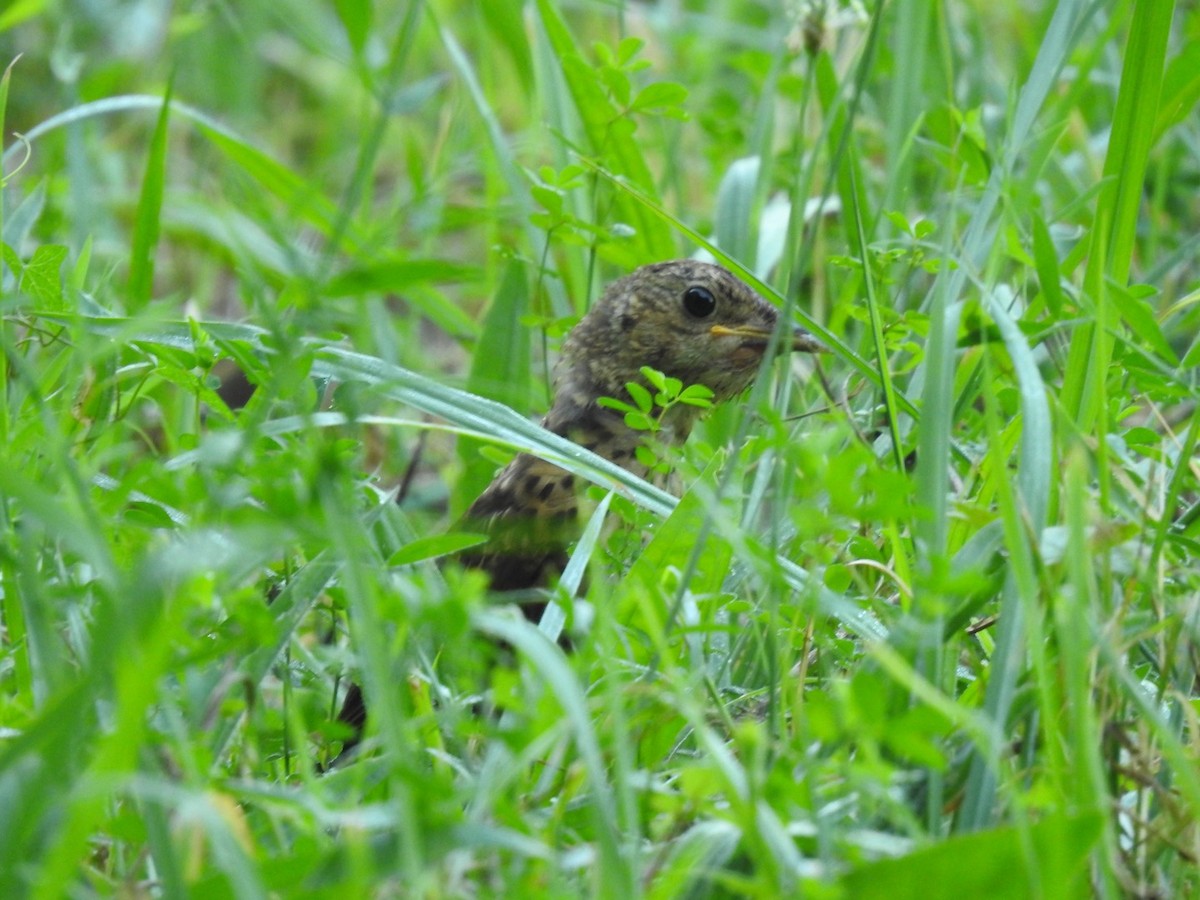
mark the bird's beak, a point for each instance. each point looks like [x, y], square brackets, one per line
[801, 342]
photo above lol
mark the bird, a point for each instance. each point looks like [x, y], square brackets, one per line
[690, 320]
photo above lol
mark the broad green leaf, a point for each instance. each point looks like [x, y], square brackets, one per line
[43, 276]
[1047, 859]
[736, 223]
[664, 97]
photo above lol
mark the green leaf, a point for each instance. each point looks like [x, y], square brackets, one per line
[898, 220]
[501, 370]
[435, 545]
[1139, 316]
[42, 279]
[640, 396]
[616, 82]
[1046, 258]
[356, 19]
[645, 455]
[148, 514]
[697, 395]
[613, 403]
[662, 97]
[550, 199]
[1048, 859]
[924, 228]
[640, 421]
[149, 213]
[627, 51]
[1181, 90]
[655, 377]
[674, 541]
[735, 222]
[195, 385]
[18, 12]
[12, 261]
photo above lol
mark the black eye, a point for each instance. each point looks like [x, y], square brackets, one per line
[699, 302]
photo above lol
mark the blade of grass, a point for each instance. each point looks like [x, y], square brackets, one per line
[908, 101]
[1024, 515]
[1113, 233]
[359, 563]
[614, 875]
[858, 243]
[14, 618]
[1077, 614]
[932, 493]
[736, 228]
[1186, 453]
[149, 213]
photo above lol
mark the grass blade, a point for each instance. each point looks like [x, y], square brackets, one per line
[149, 213]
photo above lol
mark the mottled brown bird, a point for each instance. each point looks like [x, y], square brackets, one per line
[689, 320]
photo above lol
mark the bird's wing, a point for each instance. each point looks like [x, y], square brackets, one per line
[530, 515]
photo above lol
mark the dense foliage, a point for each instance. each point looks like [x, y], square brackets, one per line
[924, 620]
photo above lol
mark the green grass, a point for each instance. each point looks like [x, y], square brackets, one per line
[924, 619]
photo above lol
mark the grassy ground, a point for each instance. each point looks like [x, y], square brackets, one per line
[924, 621]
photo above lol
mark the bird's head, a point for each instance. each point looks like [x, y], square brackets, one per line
[690, 320]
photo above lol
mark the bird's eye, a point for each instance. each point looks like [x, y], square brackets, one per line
[699, 302]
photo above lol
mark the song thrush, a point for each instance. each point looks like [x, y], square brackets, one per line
[690, 320]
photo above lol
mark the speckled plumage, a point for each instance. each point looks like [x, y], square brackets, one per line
[642, 320]
[648, 318]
